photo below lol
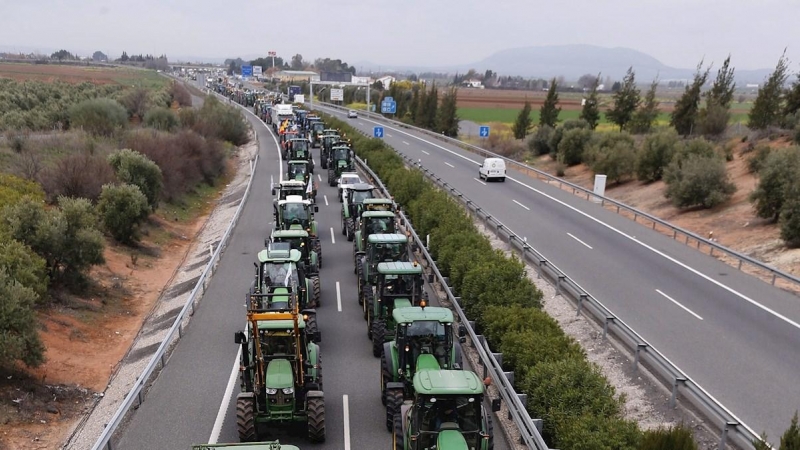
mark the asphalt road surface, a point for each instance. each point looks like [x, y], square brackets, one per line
[184, 401]
[735, 335]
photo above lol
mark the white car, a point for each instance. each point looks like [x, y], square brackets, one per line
[345, 179]
[352, 114]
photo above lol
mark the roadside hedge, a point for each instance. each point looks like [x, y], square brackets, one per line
[580, 408]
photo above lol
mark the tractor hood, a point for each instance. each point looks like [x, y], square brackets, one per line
[341, 163]
[279, 374]
[402, 303]
[451, 440]
[426, 361]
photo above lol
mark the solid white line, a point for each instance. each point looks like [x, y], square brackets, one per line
[676, 302]
[333, 239]
[621, 233]
[479, 181]
[584, 243]
[447, 163]
[226, 399]
[326, 199]
[346, 407]
[319, 177]
[520, 204]
[338, 295]
[423, 151]
[404, 142]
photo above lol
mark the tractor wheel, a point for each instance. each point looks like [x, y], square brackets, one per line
[398, 440]
[350, 228]
[331, 178]
[366, 302]
[318, 250]
[311, 326]
[315, 286]
[378, 334]
[394, 399]
[323, 162]
[246, 419]
[359, 266]
[316, 419]
[385, 377]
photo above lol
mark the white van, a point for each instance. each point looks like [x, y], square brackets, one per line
[492, 168]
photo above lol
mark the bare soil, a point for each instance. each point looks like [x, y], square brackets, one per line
[69, 74]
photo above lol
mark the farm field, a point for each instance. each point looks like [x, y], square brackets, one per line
[75, 74]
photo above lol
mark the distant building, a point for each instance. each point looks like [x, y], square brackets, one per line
[473, 83]
[296, 75]
[386, 81]
[752, 85]
[361, 80]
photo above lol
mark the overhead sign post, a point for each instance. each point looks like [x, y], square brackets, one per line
[484, 131]
[247, 71]
[377, 132]
[388, 106]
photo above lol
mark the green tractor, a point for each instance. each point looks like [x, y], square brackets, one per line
[353, 198]
[379, 248]
[424, 340]
[299, 170]
[446, 413]
[316, 128]
[326, 140]
[299, 149]
[399, 285]
[370, 220]
[301, 241]
[279, 268]
[291, 187]
[340, 159]
[294, 213]
[266, 445]
[280, 371]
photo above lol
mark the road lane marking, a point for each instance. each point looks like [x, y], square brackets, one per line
[319, 177]
[423, 151]
[448, 164]
[479, 181]
[584, 243]
[326, 199]
[346, 408]
[388, 135]
[520, 204]
[404, 142]
[338, 297]
[226, 399]
[361, 123]
[676, 302]
[622, 233]
[333, 239]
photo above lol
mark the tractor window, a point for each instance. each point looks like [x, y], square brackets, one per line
[461, 410]
[360, 196]
[277, 274]
[340, 153]
[388, 252]
[294, 213]
[300, 145]
[379, 225]
[297, 169]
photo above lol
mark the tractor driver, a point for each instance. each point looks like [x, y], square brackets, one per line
[447, 414]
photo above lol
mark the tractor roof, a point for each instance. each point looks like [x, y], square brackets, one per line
[272, 254]
[294, 199]
[387, 238]
[298, 139]
[416, 314]
[292, 183]
[281, 324]
[290, 234]
[361, 187]
[378, 214]
[298, 161]
[379, 201]
[447, 382]
[399, 268]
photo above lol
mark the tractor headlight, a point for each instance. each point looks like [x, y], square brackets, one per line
[288, 391]
[272, 391]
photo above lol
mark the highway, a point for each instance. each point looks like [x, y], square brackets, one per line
[735, 335]
[188, 397]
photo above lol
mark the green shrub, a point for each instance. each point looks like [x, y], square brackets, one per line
[123, 208]
[20, 263]
[655, 155]
[599, 433]
[790, 216]
[188, 117]
[679, 437]
[756, 161]
[539, 144]
[100, 116]
[777, 175]
[700, 181]
[134, 168]
[612, 154]
[161, 119]
[220, 121]
[522, 350]
[797, 134]
[572, 146]
[761, 444]
[713, 120]
[697, 146]
[791, 438]
[559, 131]
[19, 337]
[497, 281]
[13, 189]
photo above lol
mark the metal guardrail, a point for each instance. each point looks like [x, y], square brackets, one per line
[135, 396]
[678, 233]
[504, 381]
[677, 381]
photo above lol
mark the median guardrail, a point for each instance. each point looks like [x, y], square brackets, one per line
[677, 381]
[677, 233]
[137, 393]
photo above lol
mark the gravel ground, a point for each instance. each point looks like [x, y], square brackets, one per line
[166, 309]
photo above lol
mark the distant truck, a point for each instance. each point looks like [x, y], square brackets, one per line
[279, 114]
[294, 90]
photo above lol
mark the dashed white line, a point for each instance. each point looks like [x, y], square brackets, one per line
[423, 151]
[326, 199]
[404, 142]
[584, 243]
[450, 165]
[346, 408]
[361, 123]
[333, 238]
[338, 295]
[319, 177]
[520, 204]
[676, 302]
[479, 181]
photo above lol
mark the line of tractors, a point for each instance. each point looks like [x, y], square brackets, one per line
[430, 401]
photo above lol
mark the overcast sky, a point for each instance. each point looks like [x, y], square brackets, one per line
[409, 32]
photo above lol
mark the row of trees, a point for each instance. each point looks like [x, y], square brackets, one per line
[424, 107]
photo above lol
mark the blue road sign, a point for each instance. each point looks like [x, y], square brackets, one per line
[484, 131]
[247, 71]
[377, 132]
[388, 106]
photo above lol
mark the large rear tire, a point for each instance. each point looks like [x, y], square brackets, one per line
[246, 419]
[398, 440]
[318, 250]
[331, 178]
[394, 399]
[317, 291]
[350, 225]
[386, 376]
[367, 304]
[316, 419]
[378, 334]
[311, 327]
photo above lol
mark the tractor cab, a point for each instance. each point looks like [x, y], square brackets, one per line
[290, 187]
[379, 248]
[294, 213]
[446, 412]
[285, 137]
[353, 197]
[300, 150]
[399, 285]
[281, 279]
[316, 127]
[340, 159]
[374, 222]
[309, 248]
[326, 140]
[297, 169]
